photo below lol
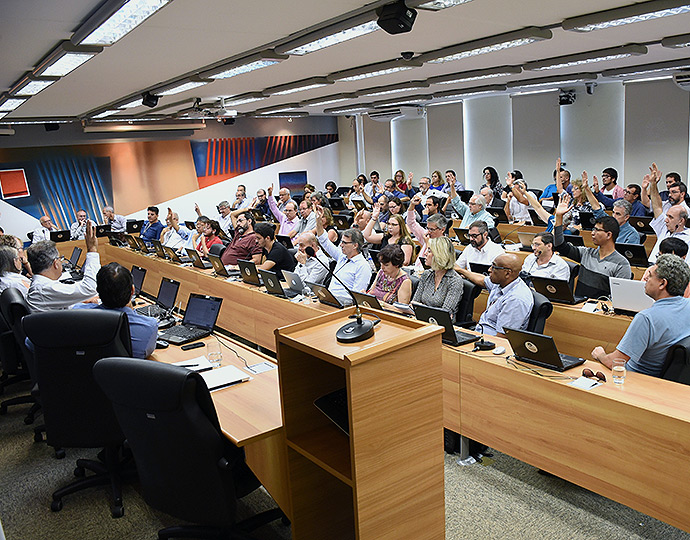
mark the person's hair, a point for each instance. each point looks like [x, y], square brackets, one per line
[244, 188]
[451, 171]
[674, 246]
[577, 183]
[517, 174]
[114, 285]
[392, 253]
[356, 237]
[546, 237]
[443, 253]
[397, 201]
[681, 185]
[41, 255]
[372, 173]
[203, 219]
[481, 200]
[108, 209]
[625, 205]
[296, 208]
[399, 171]
[637, 188]
[676, 177]
[675, 271]
[362, 179]
[434, 199]
[7, 256]
[323, 200]
[404, 231]
[613, 173]
[10, 240]
[2, 231]
[309, 238]
[309, 187]
[265, 230]
[438, 173]
[328, 215]
[609, 224]
[223, 204]
[215, 226]
[481, 225]
[332, 184]
[493, 176]
[249, 217]
[153, 209]
[438, 219]
[682, 212]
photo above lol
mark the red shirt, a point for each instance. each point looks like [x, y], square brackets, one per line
[210, 240]
[242, 247]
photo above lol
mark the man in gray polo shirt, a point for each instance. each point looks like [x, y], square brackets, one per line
[653, 331]
[596, 264]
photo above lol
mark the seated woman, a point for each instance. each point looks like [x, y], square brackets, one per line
[517, 205]
[396, 206]
[328, 225]
[392, 284]
[331, 189]
[397, 233]
[209, 237]
[10, 271]
[440, 286]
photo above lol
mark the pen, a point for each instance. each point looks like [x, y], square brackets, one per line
[189, 365]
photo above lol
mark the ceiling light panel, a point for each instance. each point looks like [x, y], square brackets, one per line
[393, 88]
[30, 85]
[559, 80]
[466, 92]
[612, 18]
[374, 70]
[408, 100]
[182, 87]
[244, 65]
[601, 55]
[8, 103]
[475, 75]
[438, 5]
[658, 67]
[64, 59]
[676, 42]
[327, 100]
[243, 99]
[115, 20]
[297, 86]
[331, 39]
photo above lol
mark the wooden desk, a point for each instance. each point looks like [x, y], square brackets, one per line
[629, 443]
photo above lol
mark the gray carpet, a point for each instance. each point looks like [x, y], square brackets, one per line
[505, 499]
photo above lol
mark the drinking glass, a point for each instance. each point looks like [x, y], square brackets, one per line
[618, 371]
[214, 354]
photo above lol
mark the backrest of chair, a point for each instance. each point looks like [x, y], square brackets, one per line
[171, 426]
[643, 237]
[217, 249]
[67, 343]
[10, 354]
[574, 271]
[14, 307]
[470, 291]
[541, 311]
[677, 365]
[415, 283]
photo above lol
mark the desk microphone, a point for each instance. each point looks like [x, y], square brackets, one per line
[355, 331]
[482, 345]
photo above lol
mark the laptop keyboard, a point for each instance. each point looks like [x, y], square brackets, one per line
[152, 311]
[185, 331]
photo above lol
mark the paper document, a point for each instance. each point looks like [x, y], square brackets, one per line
[199, 364]
[225, 376]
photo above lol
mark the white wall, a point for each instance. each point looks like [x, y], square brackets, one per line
[446, 147]
[15, 221]
[410, 147]
[347, 151]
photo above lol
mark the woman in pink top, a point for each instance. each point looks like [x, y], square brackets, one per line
[392, 284]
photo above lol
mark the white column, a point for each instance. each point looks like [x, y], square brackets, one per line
[410, 147]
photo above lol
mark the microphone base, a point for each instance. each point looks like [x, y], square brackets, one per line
[482, 345]
[354, 331]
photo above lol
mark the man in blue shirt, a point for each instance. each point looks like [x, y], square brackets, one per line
[627, 234]
[653, 331]
[116, 290]
[391, 191]
[474, 211]
[632, 194]
[153, 228]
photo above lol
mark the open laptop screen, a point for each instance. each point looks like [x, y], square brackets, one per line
[138, 274]
[167, 293]
[202, 311]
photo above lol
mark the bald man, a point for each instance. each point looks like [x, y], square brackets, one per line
[43, 232]
[510, 299]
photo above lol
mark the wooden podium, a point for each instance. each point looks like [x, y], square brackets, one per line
[384, 480]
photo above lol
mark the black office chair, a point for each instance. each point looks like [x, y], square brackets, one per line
[415, 283]
[677, 365]
[10, 358]
[187, 467]
[217, 249]
[643, 238]
[536, 192]
[574, 271]
[541, 311]
[470, 292]
[77, 414]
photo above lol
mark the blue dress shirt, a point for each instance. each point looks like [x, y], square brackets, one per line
[355, 273]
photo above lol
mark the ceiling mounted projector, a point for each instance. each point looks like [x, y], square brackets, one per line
[396, 18]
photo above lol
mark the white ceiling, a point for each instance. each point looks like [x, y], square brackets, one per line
[188, 35]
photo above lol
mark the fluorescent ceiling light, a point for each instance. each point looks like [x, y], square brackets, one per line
[352, 109]
[182, 86]
[475, 75]
[676, 42]
[297, 86]
[466, 92]
[234, 101]
[559, 80]
[8, 103]
[124, 126]
[601, 55]
[487, 45]
[114, 20]
[2, 114]
[131, 104]
[29, 85]
[41, 121]
[450, 102]
[393, 88]
[374, 70]
[331, 35]
[437, 5]
[647, 68]
[531, 92]
[64, 59]
[644, 11]
[410, 100]
[107, 113]
[278, 108]
[327, 100]
[649, 79]
[283, 115]
[243, 65]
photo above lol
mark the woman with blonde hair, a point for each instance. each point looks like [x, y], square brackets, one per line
[396, 233]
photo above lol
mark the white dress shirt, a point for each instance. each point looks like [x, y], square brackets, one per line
[225, 223]
[41, 233]
[176, 239]
[355, 273]
[312, 270]
[662, 232]
[47, 294]
[555, 268]
[485, 255]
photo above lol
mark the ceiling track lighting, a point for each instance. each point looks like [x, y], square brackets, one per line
[601, 55]
[611, 18]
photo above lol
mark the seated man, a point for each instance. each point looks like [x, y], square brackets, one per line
[481, 249]
[631, 193]
[351, 266]
[510, 299]
[116, 290]
[117, 222]
[309, 269]
[10, 270]
[278, 258]
[627, 234]
[596, 264]
[543, 262]
[474, 211]
[173, 235]
[153, 228]
[77, 231]
[491, 201]
[43, 232]
[653, 331]
[223, 217]
[306, 221]
[287, 216]
[243, 245]
[46, 292]
[669, 217]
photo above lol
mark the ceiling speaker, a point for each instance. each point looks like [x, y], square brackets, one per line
[396, 18]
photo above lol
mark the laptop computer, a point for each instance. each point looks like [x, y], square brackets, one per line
[138, 275]
[165, 301]
[258, 214]
[337, 204]
[367, 300]
[285, 240]
[526, 239]
[248, 272]
[198, 322]
[173, 256]
[73, 260]
[359, 205]
[144, 246]
[441, 317]
[539, 350]
[480, 268]
[158, 249]
[273, 286]
[536, 220]
[115, 239]
[574, 239]
[635, 253]
[131, 242]
[628, 296]
[462, 235]
[642, 224]
[324, 295]
[587, 220]
[134, 226]
[499, 214]
[191, 225]
[59, 236]
[342, 221]
[196, 259]
[219, 267]
[293, 281]
[102, 230]
[556, 290]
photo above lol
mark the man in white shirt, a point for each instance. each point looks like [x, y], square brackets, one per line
[669, 222]
[46, 292]
[77, 231]
[224, 219]
[543, 262]
[43, 232]
[117, 222]
[241, 200]
[306, 223]
[373, 188]
[481, 249]
[173, 235]
[308, 269]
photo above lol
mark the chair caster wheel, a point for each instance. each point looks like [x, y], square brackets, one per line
[79, 472]
[29, 420]
[117, 511]
[38, 437]
[56, 506]
[60, 453]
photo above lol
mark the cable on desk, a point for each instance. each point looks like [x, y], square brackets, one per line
[233, 350]
[521, 366]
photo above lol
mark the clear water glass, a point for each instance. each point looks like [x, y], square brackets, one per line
[214, 353]
[618, 371]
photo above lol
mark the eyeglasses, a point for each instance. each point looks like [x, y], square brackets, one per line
[432, 229]
[494, 267]
[589, 374]
[344, 243]
[606, 176]
[472, 235]
[596, 229]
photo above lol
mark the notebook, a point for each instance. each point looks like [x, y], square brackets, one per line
[219, 267]
[158, 248]
[557, 290]
[248, 272]
[628, 296]
[635, 253]
[134, 226]
[165, 301]
[223, 377]
[587, 220]
[102, 230]
[273, 286]
[526, 240]
[574, 239]
[173, 256]
[441, 317]
[367, 300]
[462, 235]
[196, 259]
[359, 205]
[285, 240]
[539, 350]
[138, 275]
[642, 224]
[143, 246]
[199, 320]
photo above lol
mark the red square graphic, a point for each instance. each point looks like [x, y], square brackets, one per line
[13, 184]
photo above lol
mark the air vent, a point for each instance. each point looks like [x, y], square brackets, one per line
[682, 79]
[397, 113]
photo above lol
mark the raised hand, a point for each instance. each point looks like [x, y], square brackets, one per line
[595, 184]
[646, 181]
[415, 201]
[585, 178]
[376, 211]
[270, 190]
[409, 178]
[90, 237]
[563, 203]
[558, 165]
[655, 173]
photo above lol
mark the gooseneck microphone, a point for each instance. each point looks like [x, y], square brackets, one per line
[483, 345]
[355, 331]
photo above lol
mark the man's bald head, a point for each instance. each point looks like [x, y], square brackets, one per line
[505, 269]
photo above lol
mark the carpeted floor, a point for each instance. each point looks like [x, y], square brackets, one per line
[505, 499]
